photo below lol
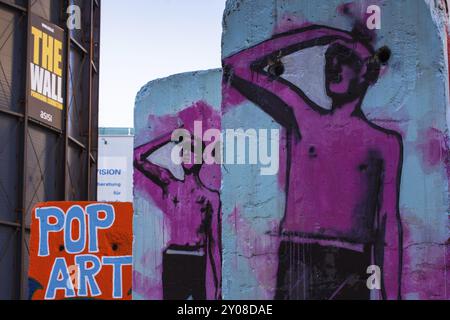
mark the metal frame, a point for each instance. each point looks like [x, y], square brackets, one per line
[86, 74]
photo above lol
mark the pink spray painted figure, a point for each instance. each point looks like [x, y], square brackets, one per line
[343, 172]
[192, 260]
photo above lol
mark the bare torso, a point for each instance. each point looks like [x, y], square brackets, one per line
[190, 206]
[334, 186]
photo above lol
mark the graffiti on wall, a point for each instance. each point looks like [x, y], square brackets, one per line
[190, 201]
[343, 170]
[346, 207]
[358, 206]
[81, 250]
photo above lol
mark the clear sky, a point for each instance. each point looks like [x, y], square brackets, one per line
[143, 40]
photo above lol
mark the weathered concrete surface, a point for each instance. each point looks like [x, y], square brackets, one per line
[410, 98]
[169, 214]
[401, 129]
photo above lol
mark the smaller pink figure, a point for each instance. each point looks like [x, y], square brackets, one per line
[192, 261]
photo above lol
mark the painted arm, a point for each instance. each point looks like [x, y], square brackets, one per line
[274, 95]
[160, 176]
[392, 230]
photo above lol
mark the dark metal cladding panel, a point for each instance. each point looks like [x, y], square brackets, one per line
[13, 26]
[44, 167]
[10, 181]
[51, 10]
[95, 97]
[52, 165]
[78, 94]
[21, 3]
[77, 174]
[9, 242]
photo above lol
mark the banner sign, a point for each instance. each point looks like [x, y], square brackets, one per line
[114, 179]
[46, 76]
[81, 250]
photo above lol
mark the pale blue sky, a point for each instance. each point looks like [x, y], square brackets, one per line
[143, 40]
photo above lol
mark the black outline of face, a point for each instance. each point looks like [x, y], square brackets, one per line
[336, 57]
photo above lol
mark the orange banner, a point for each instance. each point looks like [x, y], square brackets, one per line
[81, 250]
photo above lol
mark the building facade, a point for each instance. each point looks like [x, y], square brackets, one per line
[49, 62]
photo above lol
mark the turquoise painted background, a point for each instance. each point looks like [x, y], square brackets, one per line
[411, 97]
